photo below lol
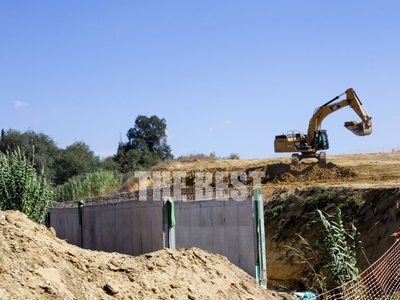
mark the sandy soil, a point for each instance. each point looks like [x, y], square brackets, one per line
[34, 264]
[356, 170]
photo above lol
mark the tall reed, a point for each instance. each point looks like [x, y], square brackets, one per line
[21, 188]
[90, 185]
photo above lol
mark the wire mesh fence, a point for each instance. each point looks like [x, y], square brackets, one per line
[380, 281]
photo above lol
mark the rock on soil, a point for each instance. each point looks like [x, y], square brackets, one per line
[34, 264]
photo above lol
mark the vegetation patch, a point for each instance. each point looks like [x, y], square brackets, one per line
[90, 185]
[319, 197]
[21, 188]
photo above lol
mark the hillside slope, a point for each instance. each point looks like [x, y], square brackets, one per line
[356, 170]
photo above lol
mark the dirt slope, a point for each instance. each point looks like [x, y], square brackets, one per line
[34, 264]
[375, 213]
[356, 170]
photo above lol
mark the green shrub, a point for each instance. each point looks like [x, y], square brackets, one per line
[351, 201]
[319, 197]
[90, 185]
[21, 188]
[272, 211]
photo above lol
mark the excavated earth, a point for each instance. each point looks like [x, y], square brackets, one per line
[354, 170]
[34, 264]
[365, 186]
[374, 211]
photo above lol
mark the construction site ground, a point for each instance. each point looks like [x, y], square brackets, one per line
[34, 264]
[355, 170]
[364, 186]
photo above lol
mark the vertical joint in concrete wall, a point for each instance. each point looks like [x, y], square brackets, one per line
[80, 213]
[259, 238]
[168, 223]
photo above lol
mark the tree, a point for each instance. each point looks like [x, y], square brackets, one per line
[76, 159]
[35, 146]
[109, 164]
[146, 146]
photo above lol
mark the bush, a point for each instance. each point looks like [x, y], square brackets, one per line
[192, 157]
[21, 188]
[319, 197]
[233, 156]
[90, 185]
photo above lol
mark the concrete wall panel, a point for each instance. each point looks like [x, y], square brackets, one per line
[223, 227]
[135, 227]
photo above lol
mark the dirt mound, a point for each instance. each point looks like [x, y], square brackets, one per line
[34, 264]
[303, 172]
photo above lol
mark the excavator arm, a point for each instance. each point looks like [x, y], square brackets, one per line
[362, 128]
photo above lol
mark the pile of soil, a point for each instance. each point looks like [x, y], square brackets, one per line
[34, 264]
[305, 172]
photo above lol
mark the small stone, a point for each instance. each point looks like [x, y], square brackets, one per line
[174, 285]
[49, 289]
[114, 263]
[111, 289]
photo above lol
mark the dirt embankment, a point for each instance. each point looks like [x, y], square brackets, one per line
[275, 175]
[310, 172]
[375, 213]
[355, 170]
[34, 264]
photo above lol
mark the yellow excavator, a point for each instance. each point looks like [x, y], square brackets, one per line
[316, 138]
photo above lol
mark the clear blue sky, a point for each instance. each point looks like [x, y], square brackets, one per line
[226, 75]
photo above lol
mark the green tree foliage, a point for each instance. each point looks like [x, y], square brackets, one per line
[90, 185]
[37, 146]
[76, 159]
[109, 164]
[21, 188]
[146, 146]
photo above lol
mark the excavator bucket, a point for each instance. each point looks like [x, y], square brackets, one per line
[359, 129]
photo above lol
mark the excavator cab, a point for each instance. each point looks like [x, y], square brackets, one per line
[321, 140]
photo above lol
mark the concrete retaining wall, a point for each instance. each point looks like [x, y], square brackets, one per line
[223, 227]
[136, 227]
[133, 227]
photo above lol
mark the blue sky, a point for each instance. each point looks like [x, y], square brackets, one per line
[226, 75]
